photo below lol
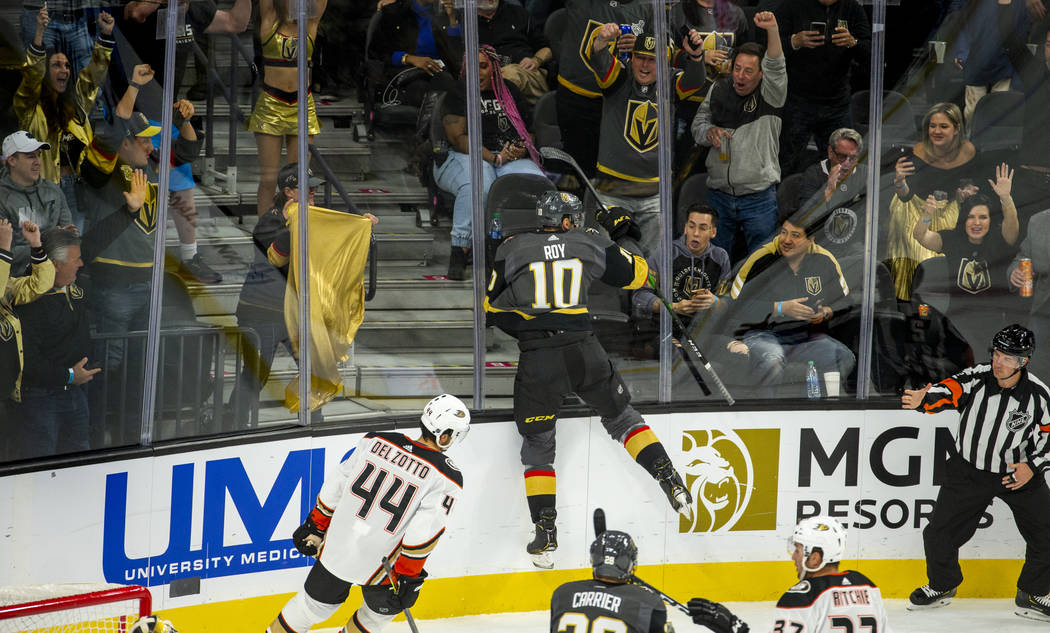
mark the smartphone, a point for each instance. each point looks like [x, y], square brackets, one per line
[940, 196]
[820, 27]
[93, 364]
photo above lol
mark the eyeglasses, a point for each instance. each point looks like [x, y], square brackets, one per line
[844, 158]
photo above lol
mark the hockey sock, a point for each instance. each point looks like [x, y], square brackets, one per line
[540, 489]
[187, 251]
[644, 447]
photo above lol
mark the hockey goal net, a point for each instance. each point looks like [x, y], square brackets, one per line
[72, 608]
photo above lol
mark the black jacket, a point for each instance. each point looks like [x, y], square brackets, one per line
[821, 74]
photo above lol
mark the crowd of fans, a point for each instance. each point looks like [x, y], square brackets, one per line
[770, 249]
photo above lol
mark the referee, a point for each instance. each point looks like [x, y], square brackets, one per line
[1002, 449]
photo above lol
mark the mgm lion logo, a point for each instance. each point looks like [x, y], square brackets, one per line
[732, 475]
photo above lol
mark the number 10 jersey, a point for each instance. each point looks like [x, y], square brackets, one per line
[391, 497]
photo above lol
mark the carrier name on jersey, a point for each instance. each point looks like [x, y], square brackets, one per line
[598, 599]
[399, 458]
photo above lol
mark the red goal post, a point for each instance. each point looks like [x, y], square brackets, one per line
[72, 607]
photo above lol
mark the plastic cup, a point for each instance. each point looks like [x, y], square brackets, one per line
[831, 383]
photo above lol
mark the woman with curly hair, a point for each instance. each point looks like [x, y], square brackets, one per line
[506, 147]
[53, 106]
[275, 117]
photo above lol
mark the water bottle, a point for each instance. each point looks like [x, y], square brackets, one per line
[496, 228]
[812, 382]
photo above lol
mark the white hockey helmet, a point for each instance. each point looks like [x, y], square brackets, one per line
[819, 532]
[446, 414]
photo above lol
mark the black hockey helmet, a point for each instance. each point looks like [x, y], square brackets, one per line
[553, 206]
[1015, 340]
[614, 556]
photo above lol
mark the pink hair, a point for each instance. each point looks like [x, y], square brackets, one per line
[505, 98]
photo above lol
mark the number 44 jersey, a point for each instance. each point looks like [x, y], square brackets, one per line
[845, 602]
[390, 496]
[541, 280]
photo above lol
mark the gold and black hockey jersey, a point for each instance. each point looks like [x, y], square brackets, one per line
[629, 608]
[540, 281]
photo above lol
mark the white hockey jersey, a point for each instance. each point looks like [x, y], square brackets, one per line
[844, 602]
[390, 497]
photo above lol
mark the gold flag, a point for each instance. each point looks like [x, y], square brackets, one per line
[338, 249]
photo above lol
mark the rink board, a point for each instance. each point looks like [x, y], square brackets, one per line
[223, 517]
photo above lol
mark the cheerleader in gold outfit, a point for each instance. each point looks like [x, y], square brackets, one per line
[274, 119]
[933, 168]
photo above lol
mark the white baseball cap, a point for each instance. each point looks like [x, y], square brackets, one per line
[22, 141]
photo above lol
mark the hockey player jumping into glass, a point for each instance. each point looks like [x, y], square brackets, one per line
[538, 293]
[391, 497]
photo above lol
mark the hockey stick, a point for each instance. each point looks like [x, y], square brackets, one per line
[553, 153]
[599, 529]
[692, 352]
[390, 574]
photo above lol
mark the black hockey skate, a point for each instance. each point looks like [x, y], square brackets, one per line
[546, 540]
[671, 483]
[1032, 607]
[926, 597]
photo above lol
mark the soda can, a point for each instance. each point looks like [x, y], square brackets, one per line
[1025, 266]
[924, 310]
[625, 29]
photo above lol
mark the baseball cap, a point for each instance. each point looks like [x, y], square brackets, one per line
[289, 177]
[646, 45]
[22, 141]
[139, 125]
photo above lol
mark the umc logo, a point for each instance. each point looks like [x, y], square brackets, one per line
[208, 540]
[732, 476]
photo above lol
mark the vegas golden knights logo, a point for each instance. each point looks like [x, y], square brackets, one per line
[813, 285]
[146, 218]
[7, 331]
[640, 129]
[76, 291]
[973, 276]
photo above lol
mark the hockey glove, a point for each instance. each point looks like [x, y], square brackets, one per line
[619, 223]
[408, 589]
[308, 537]
[715, 617]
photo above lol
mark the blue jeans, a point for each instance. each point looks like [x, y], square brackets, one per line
[71, 38]
[803, 118]
[51, 421]
[755, 213]
[454, 177]
[769, 355]
[69, 189]
[257, 364]
[116, 310]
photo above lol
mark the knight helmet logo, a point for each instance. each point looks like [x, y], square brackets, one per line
[640, 128]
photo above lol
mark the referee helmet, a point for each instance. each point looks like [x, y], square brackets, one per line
[1015, 340]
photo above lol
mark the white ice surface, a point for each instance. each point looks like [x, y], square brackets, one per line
[961, 616]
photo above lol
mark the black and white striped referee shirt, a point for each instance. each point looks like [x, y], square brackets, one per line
[997, 426]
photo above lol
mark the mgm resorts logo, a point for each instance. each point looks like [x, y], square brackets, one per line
[732, 475]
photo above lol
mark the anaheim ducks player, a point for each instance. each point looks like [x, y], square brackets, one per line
[825, 600]
[538, 293]
[390, 497]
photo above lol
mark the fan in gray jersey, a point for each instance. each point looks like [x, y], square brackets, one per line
[538, 294]
[825, 600]
[609, 602]
[390, 497]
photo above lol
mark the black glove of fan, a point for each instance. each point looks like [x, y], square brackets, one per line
[715, 617]
[618, 222]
